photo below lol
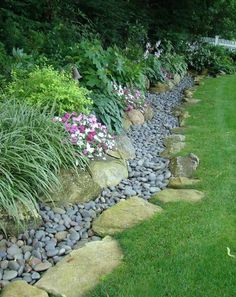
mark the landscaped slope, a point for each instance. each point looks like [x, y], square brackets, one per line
[183, 252]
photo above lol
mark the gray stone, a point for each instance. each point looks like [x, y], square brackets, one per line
[9, 274]
[42, 266]
[13, 265]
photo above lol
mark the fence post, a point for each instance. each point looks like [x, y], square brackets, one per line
[217, 39]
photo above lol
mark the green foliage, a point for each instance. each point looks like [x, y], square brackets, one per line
[202, 56]
[46, 87]
[90, 58]
[100, 67]
[154, 69]
[172, 62]
[124, 70]
[33, 150]
[109, 109]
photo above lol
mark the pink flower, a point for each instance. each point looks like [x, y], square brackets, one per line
[90, 136]
[78, 118]
[85, 151]
[82, 129]
[73, 129]
[67, 126]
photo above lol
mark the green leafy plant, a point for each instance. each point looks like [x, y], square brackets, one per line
[109, 109]
[48, 87]
[33, 150]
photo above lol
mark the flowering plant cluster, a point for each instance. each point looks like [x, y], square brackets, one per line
[87, 134]
[133, 98]
[153, 50]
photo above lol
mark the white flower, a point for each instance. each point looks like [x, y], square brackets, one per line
[146, 54]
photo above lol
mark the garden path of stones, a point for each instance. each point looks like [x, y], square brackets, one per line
[66, 229]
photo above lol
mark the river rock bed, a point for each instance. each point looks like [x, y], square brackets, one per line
[64, 229]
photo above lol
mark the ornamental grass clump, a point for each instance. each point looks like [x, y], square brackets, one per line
[90, 138]
[33, 149]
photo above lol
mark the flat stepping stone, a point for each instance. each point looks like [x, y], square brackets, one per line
[124, 215]
[22, 289]
[182, 182]
[82, 269]
[174, 195]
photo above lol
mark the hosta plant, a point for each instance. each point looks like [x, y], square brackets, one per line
[90, 138]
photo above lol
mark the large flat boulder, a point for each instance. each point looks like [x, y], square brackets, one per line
[75, 188]
[22, 289]
[173, 195]
[124, 215]
[182, 182]
[82, 269]
[184, 166]
[109, 172]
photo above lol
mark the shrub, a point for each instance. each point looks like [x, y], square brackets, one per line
[48, 87]
[101, 67]
[33, 150]
[90, 138]
[124, 70]
[109, 110]
[90, 58]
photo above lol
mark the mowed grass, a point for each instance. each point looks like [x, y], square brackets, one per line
[182, 252]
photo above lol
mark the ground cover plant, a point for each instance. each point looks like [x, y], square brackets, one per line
[33, 150]
[183, 252]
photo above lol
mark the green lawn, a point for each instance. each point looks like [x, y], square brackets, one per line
[182, 252]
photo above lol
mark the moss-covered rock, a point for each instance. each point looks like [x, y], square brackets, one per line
[82, 269]
[124, 215]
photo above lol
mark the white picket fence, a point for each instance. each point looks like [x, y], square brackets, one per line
[230, 44]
